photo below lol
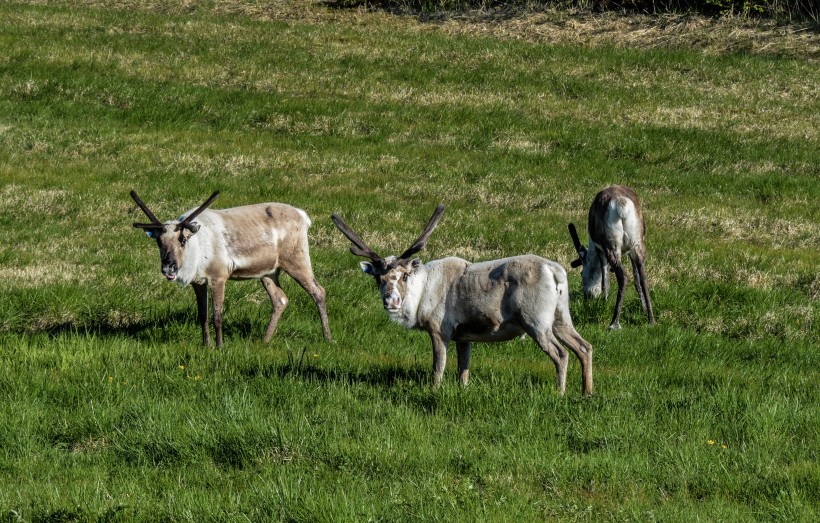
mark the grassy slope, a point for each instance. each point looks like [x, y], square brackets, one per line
[113, 410]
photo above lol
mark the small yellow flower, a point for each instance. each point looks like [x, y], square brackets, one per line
[724, 447]
[182, 367]
[711, 442]
[110, 379]
[315, 355]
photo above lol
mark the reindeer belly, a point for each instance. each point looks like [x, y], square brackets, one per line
[487, 331]
[251, 269]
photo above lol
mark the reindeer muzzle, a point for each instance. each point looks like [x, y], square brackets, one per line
[392, 301]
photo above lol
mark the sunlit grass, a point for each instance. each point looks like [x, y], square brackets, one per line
[114, 411]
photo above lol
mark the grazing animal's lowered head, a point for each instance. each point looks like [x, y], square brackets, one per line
[206, 247]
[616, 227]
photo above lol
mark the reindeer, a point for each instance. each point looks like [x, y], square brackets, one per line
[253, 242]
[493, 301]
[615, 227]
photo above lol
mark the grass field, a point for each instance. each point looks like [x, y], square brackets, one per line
[112, 411]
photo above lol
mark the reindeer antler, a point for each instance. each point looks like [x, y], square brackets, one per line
[578, 247]
[154, 221]
[422, 240]
[361, 248]
[187, 222]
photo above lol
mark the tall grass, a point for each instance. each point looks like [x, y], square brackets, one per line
[112, 411]
[781, 10]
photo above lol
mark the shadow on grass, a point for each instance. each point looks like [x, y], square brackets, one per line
[425, 14]
[166, 328]
[382, 376]
[170, 326]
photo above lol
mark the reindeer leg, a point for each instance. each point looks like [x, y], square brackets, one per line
[218, 290]
[621, 277]
[604, 276]
[642, 286]
[278, 300]
[463, 348]
[559, 358]
[569, 337]
[304, 277]
[201, 291]
[319, 297]
[546, 341]
[564, 331]
[439, 357]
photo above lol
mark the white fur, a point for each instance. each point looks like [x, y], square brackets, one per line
[407, 316]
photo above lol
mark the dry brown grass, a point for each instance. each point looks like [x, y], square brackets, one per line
[670, 31]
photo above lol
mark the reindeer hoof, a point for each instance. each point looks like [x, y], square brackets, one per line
[615, 327]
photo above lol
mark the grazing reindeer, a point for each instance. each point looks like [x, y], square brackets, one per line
[254, 242]
[492, 301]
[615, 227]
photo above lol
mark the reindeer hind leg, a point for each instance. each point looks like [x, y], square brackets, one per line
[571, 339]
[614, 259]
[547, 343]
[279, 301]
[304, 277]
[564, 330]
[642, 286]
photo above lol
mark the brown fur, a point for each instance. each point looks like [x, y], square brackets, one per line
[250, 242]
[599, 233]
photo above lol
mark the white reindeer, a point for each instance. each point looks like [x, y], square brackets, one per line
[615, 227]
[492, 301]
[253, 242]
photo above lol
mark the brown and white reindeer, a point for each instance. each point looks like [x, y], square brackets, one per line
[252, 242]
[615, 227]
[455, 300]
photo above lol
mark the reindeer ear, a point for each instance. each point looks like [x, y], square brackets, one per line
[415, 263]
[367, 267]
[151, 232]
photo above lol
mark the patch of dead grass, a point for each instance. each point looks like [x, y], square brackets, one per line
[672, 31]
[17, 200]
[663, 31]
[37, 275]
[745, 225]
[89, 444]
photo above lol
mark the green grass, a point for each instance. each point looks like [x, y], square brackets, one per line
[112, 411]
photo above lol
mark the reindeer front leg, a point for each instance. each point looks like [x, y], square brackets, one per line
[463, 348]
[218, 290]
[439, 356]
[201, 291]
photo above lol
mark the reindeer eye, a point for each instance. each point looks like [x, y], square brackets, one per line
[404, 276]
[182, 241]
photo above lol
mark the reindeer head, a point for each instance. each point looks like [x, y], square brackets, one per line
[171, 236]
[392, 274]
[592, 271]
